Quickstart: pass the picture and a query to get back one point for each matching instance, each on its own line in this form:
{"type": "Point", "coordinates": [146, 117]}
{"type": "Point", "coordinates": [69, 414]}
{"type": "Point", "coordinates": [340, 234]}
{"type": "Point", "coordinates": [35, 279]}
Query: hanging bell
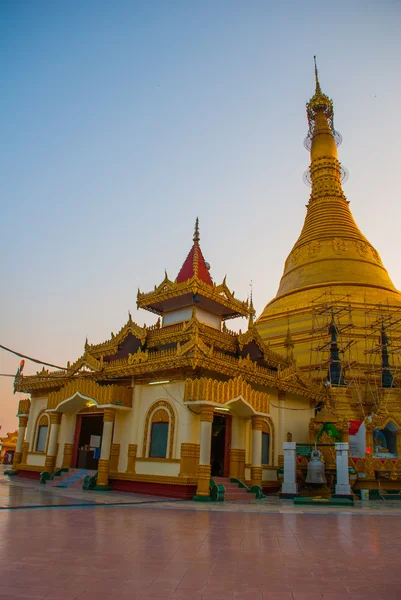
{"type": "Point", "coordinates": [316, 472]}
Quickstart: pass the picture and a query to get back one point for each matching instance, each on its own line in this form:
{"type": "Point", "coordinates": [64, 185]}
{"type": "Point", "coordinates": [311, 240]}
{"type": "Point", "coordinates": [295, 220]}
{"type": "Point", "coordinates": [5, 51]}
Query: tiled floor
{"type": "Point", "coordinates": [116, 552]}
{"type": "Point", "coordinates": [125, 553]}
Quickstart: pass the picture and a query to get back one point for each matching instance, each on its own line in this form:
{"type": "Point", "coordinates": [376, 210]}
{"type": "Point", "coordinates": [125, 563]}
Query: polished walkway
{"type": "Point", "coordinates": [170, 550]}
{"type": "Point", "coordinates": [126, 553]}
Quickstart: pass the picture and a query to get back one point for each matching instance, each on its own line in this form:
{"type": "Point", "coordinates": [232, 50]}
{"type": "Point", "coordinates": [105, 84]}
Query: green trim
{"type": "Point", "coordinates": [89, 482]}
{"type": "Point", "coordinates": [257, 490]}
{"type": "Point", "coordinates": [202, 499]}
{"type": "Point", "coordinates": [59, 471]}
{"type": "Point", "coordinates": [217, 491]}
{"type": "Point", "coordinates": [324, 501]}
{"type": "Point", "coordinates": [101, 488]}
{"type": "Point", "coordinates": [44, 476]}
{"type": "Point", "coordinates": [240, 483]}
{"type": "Point", "coordinates": [11, 473]}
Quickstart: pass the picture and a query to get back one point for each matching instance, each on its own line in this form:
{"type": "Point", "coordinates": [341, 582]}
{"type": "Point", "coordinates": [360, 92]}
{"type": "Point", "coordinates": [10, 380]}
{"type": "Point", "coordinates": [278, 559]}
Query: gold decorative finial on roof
{"type": "Point", "coordinates": [196, 232]}
{"type": "Point", "coordinates": [319, 103]}
{"type": "Point", "coordinates": [252, 311]}
{"type": "Point", "coordinates": [316, 75]}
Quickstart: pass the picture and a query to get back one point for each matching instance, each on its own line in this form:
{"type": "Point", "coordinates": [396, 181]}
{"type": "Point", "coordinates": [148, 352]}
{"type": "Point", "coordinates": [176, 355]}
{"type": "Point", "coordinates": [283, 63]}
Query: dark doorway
{"type": "Point", "coordinates": [89, 447]}
{"type": "Point", "coordinates": [219, 454]}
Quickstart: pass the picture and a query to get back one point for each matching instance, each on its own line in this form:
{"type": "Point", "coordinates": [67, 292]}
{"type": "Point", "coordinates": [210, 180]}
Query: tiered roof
{"type": "Point", "coordinates": [194, 281]}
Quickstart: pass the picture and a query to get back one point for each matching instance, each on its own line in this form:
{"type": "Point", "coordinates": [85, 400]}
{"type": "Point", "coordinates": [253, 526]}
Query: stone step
{"type": "Point", "coordinates": [234, 493]}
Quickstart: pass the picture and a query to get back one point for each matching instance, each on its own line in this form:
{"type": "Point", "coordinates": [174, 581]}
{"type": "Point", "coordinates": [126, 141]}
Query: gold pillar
{"type": "Point", "coordinates": [189, 459]}
{"type": "Point", "coordinates": [17, 458]}
{"type": "Point", "coordinates": [369, 441]}
{"type": "Point", "coordinates": [55, 420]}
{"type": "Point", "coordinates": [237, 463]}
{"type": "Point", "coordinates": [345, 433]}
{"type": "Point", "coordinates": [67, 457]}
{"type": "Point", "coordinates": [398, 443]}
{"type": "Point", "coordinates": [25, 450]}
{"type": "Point", "coordinates": [104, 461]}
{"type": "Point", "coordinates": [204, 468]}
{"type": "Point", "coordinates": [256, 467]}
{"type": "Point", "coordinates": [114, 457]}
{"type": "Point", "coordinates": [132, 452]}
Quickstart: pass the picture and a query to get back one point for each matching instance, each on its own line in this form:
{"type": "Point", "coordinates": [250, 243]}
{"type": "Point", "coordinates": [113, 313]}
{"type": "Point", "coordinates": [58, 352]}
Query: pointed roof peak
{"type": "Point", "coordinates": [196, 237]}
{"type": "Point", "coordinates": [316, 76]}
{"type": "Point", "coordinates": [195, 264]}
{"type": "Point", "coordinates": [319, 103]}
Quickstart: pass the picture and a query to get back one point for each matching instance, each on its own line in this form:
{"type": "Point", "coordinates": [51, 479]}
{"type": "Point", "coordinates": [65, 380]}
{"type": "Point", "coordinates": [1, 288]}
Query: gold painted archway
{"type": "Point", "coordinates": [226, 392]}
{"type": "Point", "coordinates": [90, 390]}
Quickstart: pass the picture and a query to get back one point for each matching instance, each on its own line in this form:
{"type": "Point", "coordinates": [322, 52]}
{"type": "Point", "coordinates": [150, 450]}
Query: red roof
{"type": "Point", "coordinates": [194, 264]}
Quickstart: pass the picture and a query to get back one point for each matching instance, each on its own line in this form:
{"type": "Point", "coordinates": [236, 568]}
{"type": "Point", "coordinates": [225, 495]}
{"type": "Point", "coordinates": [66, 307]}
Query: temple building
{"type": "Point", "coordinates": [161, 409]}
{"type": "Point", "coordinates": [185, 405]}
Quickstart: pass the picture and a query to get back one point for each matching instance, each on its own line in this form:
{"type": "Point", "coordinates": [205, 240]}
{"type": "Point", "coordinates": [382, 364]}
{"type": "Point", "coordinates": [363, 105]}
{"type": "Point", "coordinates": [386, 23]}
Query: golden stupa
{"type": "Point", "coordinates": [333, 273]}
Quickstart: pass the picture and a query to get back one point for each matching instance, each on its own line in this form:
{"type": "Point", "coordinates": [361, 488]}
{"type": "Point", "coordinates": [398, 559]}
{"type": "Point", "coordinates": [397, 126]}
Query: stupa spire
{"type": "Point", "coordinates": [330, 235]}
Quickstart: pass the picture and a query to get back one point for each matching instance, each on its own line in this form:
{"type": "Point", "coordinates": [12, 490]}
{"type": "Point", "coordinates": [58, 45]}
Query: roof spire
{"type": "Point", "coordinates": [316, 76]}
{"type": "Point", "coordinates": [252, 311]}
{"type": "Point", "coordinates": [196, 232]}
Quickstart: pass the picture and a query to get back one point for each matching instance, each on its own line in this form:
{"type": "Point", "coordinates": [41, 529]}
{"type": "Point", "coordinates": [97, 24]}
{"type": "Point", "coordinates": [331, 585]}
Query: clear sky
{"type": "Point", "coordinates": [121, 121]}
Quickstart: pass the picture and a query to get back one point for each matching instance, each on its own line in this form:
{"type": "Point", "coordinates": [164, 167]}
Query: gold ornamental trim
{"type": "Point", "coordinates": [23, 421]}
{"type": "Point", "coordinates": [101, 394]}
{"type": "Point", "coordinates": [170, 289]}
{"type": "Point", "coordinates": [212, 390]}
{"type": "Point", "coordinates": [257, 423]}
{"type": "Point", "coordinates": [207, 414]}
{"type": "Point", "coordinates": [24, 407]}
{"type": "Point", "coordinates": [55, 418]}
{"type": "Point", "coordinates": [109, 415]}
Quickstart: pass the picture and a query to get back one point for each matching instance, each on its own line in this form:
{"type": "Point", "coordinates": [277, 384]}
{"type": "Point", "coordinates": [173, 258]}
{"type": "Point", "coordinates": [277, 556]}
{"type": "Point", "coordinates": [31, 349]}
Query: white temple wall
{"type": "Point", "coordinates": [145, 467]}
{"type": "Point", "coordinates": [35, 459]}
{"type": "Point", "coordinates": [173, 394]}
{"type": "Point", "coordinates": [66, 434]}
{"type": "Point", "coordinates": [37, 405]}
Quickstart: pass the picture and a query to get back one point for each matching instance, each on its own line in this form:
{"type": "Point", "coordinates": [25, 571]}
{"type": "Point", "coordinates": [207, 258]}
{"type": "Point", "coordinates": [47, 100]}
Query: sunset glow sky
{"type": "Point", "coordinates": [123, 121]}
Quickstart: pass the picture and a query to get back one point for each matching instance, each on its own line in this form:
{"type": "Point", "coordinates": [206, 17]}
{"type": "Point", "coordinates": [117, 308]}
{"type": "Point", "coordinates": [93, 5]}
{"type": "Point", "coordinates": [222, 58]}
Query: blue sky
{"type": "Point", "coordinates": [123, 121]}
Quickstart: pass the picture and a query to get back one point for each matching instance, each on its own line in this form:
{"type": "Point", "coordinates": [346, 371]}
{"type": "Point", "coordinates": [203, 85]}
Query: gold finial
{"type": "Point", "coordinates": [196, 232]}
{"type": "Point", "coordinates": [316, 75]}
{"type": "Point", "coordinates": [252, 311]}
{"type": "Point", "coordinates": [319, 103]}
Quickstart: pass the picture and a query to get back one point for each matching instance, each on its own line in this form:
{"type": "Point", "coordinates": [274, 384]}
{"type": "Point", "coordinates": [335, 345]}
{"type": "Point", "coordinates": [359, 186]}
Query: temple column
{"type": "Point", "coordinates": [345, 433]}
{"type": "Point", "coordinates": [104, 461]}
{"type": "Point", "coordinates": [68, 449]}
{"type": "Point", "coordinates": [132, 452]}
{"type": "Point", "coordinates": [237, 454]}
{"type": "Point", "coordinates": [22, 423]}
{"type": "Point", "coordinates": [369, 442]}
{"type": "Point", "coordinates": [290, 487]}
{"type": "Point", "coordinates": [204, 468]}
{"type": "Point", "coordinates": [398, 443]}
{"type": "Point", "coordinates": [343, 487]}
{"type": "Point", "coordinates": [256, 468]}
{"type": "Point", "coordinates": [50, 462]}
